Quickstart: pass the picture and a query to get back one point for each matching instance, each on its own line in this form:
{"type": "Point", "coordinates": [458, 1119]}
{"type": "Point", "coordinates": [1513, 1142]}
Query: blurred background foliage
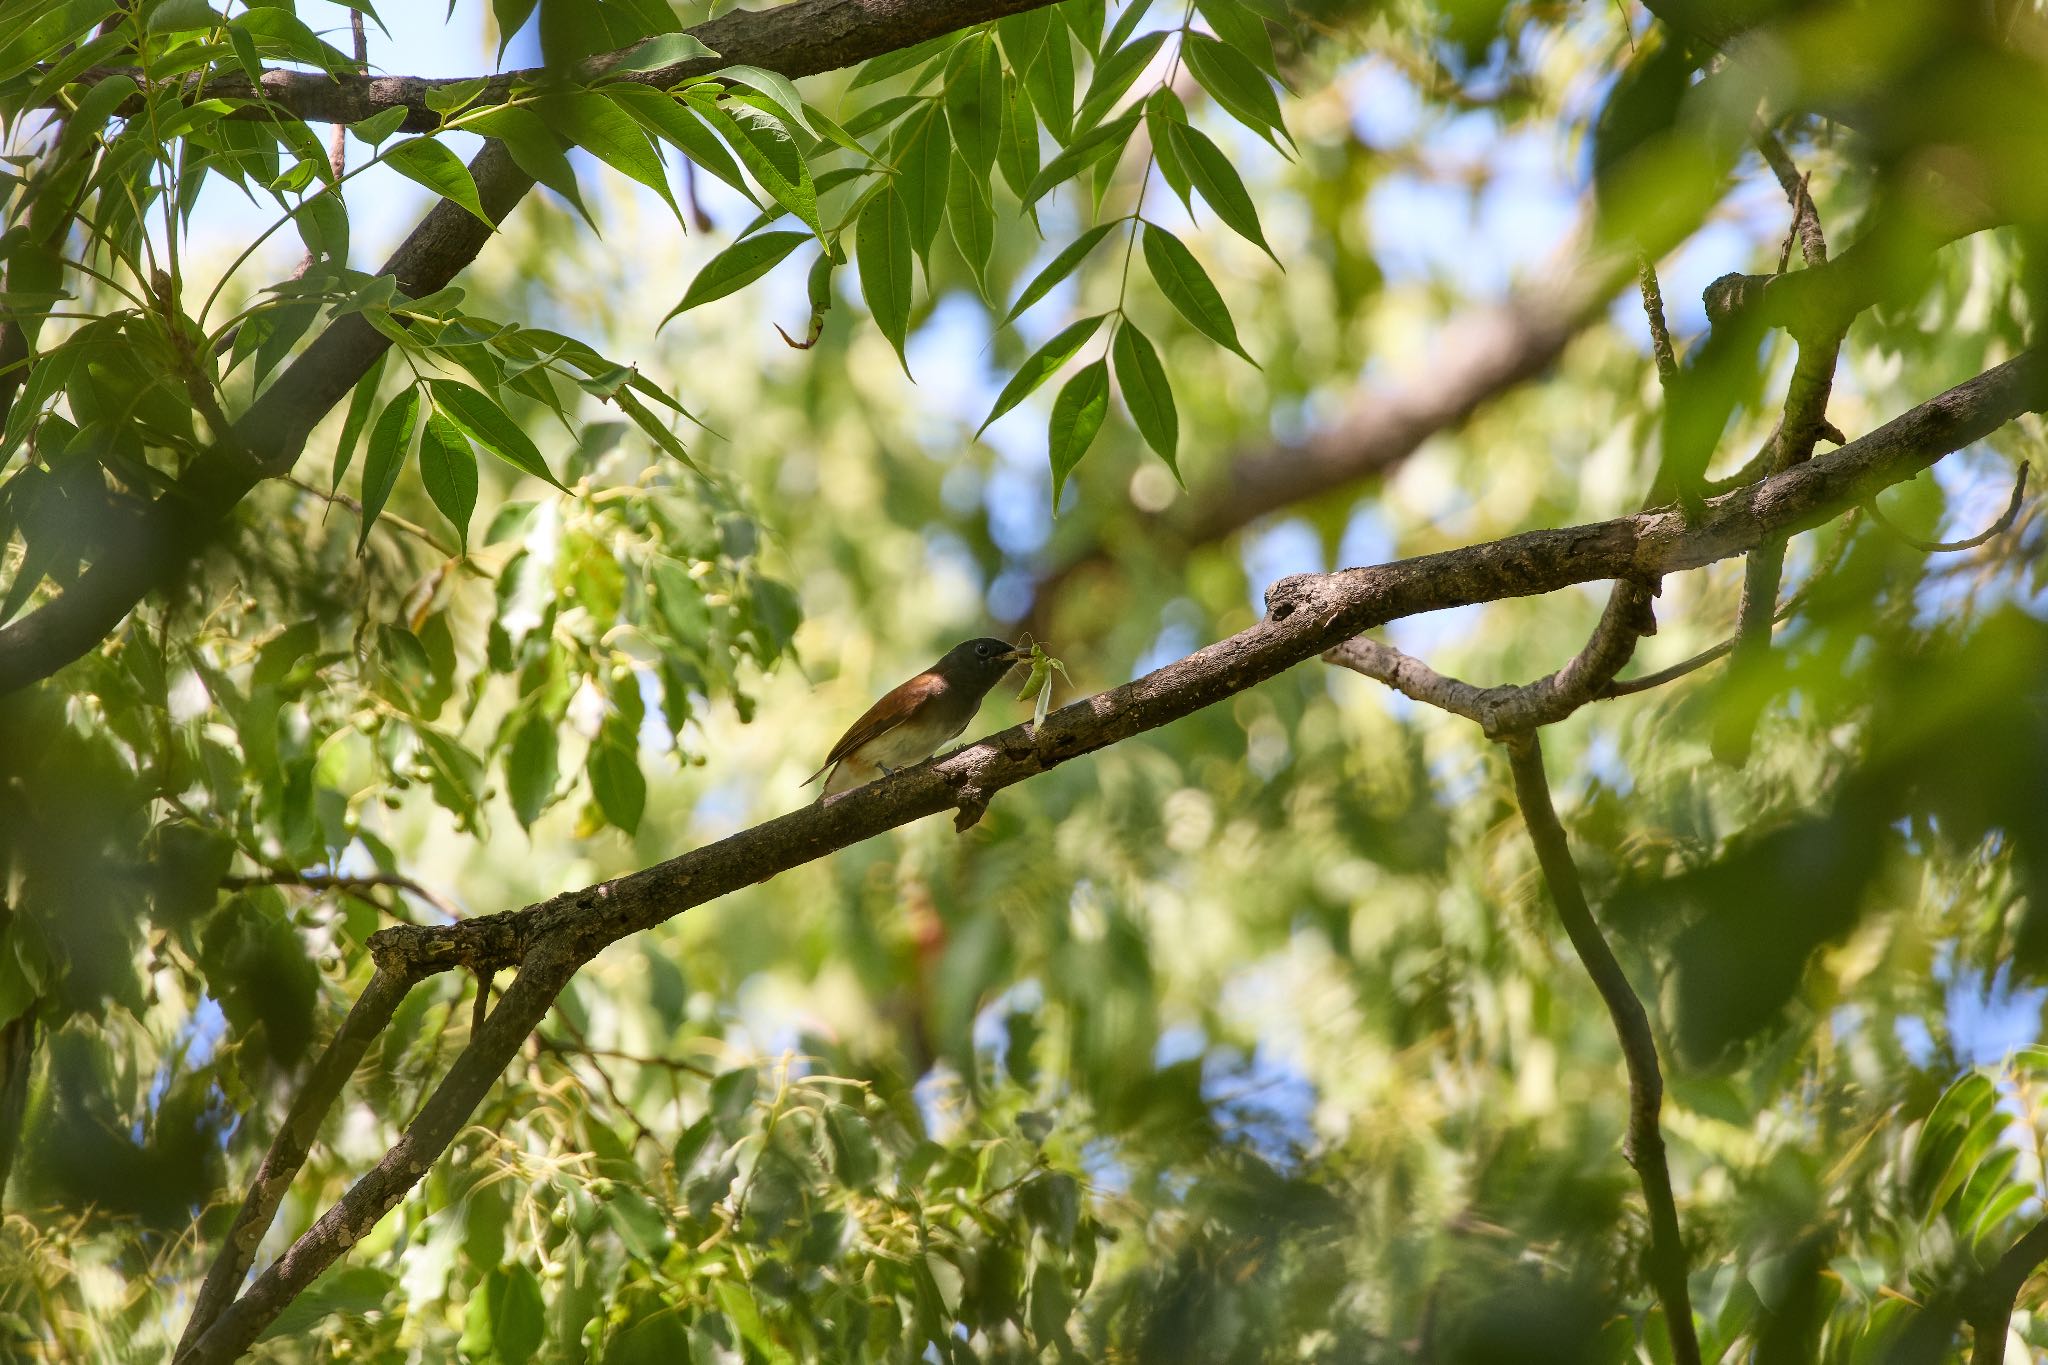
{"type": "Point", "coordinates": [1249, 1039]}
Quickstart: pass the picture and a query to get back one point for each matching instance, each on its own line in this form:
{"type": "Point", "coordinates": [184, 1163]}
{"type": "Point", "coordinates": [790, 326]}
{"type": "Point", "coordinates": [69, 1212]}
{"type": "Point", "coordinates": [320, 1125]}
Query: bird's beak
{"type": "Point", "coordinates": [1015, 656]}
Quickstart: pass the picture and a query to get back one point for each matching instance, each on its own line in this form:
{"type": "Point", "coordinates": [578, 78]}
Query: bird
{"type": "Point", "coordinates": [914, 718]}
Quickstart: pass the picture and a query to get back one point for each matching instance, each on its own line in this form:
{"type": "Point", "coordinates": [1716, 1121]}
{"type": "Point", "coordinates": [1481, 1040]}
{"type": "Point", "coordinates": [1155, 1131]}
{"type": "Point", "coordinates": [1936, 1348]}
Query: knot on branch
{"type": "Point", "coordinates": [1288, 595]}
{"type": "Point", "coordinates": [1732, 293]}
{"type": "Point", "coordinates": [973, 804]}
{"type": "Point", "coordinates": [484, 945]}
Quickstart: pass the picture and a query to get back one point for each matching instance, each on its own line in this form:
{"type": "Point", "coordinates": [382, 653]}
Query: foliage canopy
{"type": "Point", "coordinates": [336, 598]}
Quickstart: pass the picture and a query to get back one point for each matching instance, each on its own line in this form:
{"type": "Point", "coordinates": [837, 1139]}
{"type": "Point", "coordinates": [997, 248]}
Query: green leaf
{"type": "Point", "coordinates": [673, 121]}
{"type": "Point", "coordinates": [1017, 141]}
{"type": "Point", "coordinates": [424, 160]}
{"type": "Point", "coordinates": [1058, 268]}
{"type": "Point", "coordinates": [490, 428]}
{"type": "Point", "coordinates": [777, 87]}
{"type": "Point", "coordinates": [1041, 366]}
{"type": "Point", "coordinates": [506, 1319]}
{"type": "Point", "coordinates": [180, 16]}
{"type": "Point", "coordinates": [448, 468]}
{"type": "Point", "coordinates": [1235, 84]}
{"type": "Point", "coordinates": [390, 443]}
{"type": "Point", "coordinates": [1211, 172]}
{"type": "Point", "coordinates": [380, 125]}
{"type": "Point", "coordinates": [974, 99]}
{"type": "Point", "coordinates": [770, 154]}
{"type": "Point", "coordinates": [597, 125]}
{"type": "Point", "coordinates": [1023, 36]}
{"type": "Point", "coordinates": [1114, 75]}
{"type": "Point", "coordinates": [738, 266]}
{"type": "Point", "coordinates": [1050, 81]}
{"type": "Point", "coordinates": [662, 50]}
{"type": "Point", "coordinates": [95, 107]}
{"type": "Point", "coordinates": [531, 765]}
{"type": "Point", "coordinates": [882, 252]}
{"type": "Point", "coordinates": [1076, 416]}
{"type": "Point", "coordinates": [1241, 31]}
{"type": "Point", "coordinates": [1083, 152]}
{"type": "Point", "coordinates": [1162, 111]}
{"type": "Point", "coordinates": [923, 156]}
{"type": "Point", "coordinates": [357, 416]}
{"type": "Point", "coordinates": [1142, 381]}
{"type": "Point", "coordinates": [615, 778]}
{"type": "Point", "coordinates": [1127, 21]}
{"type": "Point", "coordinates": [1187, 287]}
{"type": "Point", "coordinates": [534, 148]}
{"type": "Point", "coordinates": [974, 224]}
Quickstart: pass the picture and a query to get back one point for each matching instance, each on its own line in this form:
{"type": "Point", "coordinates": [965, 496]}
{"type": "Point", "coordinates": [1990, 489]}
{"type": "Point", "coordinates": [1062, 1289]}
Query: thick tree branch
{"type": "Point", "coordinates": [1479, 358]}
{"type": "Point", "coordinates": [797, 39]}
{"type": "Point", "coordinates": [1306, 614]}
{"type": "Point", "coordinates": [1644, 1143]}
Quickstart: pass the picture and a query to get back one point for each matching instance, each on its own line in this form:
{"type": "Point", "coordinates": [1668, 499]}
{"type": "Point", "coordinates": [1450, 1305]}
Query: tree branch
{"type": "Point", "coordinates": [290, 1147]}
{"type": "Point", "coordinates": [1480, 357]}
{"type": "Point", "coordinates": [1644, 1143]}
{"type": "Point", "coordinates": [1949, 547]}
{"type": "Point", "coordinates": [797, 39]}
{"type": "Point", "coordinates": [1306, 614]}
{"type": "Point", "coordinates": [1805, 415]}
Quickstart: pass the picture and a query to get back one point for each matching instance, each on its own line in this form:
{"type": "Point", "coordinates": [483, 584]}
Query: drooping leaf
{"type": "Point", "coordinates": [490, 427]}
{"type": "Point", "coordinates": [390, 443]}
{"type": "Point", "coordinates": [426, 161]}
{"type": "Point", "coordinates": [1057, 269]}
{"type": "Point", "coordinates": [1041, 366]}
{"type": "Point", "coordinates": [1142, 381]}
{"type": "Point", "coordinates": [922, 153]}
{"type": "Point", "coordinates": [974, 98]}
{"type": "Point", "coordinates": [534, 148]}
{"type": "Point", "coordinates": [1077, 415]}
{"type": "Point", "coordinates": [737, 266]}
{"type": "Point", "coordinates": [1235, 84]}
{"type": "Point", "coordinates": [597, 125]}
{"type": "Point", "coordinates": [448, 468]}
{"type": "Point", "coordinates": [1188, 288]}
{"type": "Point", "coordinates": [882, 253]}
{"type": "Point", "coordinates": [973, 221]}
{"type": "Point", "coordinates": [682, 127]}
{"type": "Point", "coordinates": [1210, 171]}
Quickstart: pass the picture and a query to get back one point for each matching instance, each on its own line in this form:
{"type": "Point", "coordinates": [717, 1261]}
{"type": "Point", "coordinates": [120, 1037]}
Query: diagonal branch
{"type": "Point", "coordinates": [1480, 357]}
{"type": "Point", "coordinates": [797, 39]}
{"type": "Point", "coordinates": [1306, 614]}
{"type": "Point", "coordinates": [290, 1147]}
{"type": "Point", "coordinates": [1644, 1143]}
{"type": "Point", "coordinates": [1805, 415]}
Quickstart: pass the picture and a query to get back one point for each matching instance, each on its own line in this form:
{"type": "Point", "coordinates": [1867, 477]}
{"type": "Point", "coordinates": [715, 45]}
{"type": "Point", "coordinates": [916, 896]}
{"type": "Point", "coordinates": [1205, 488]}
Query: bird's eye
{"type": "Point", "coordinates": [983, 650]}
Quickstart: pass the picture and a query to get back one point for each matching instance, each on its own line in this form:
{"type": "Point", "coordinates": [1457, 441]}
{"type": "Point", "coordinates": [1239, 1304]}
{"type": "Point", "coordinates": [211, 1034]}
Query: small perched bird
{"type": "Point", "coordinates": [909, 724]}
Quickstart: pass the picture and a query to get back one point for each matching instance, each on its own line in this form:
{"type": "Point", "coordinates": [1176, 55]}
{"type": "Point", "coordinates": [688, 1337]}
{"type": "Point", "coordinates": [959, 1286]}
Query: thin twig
{"type": "Point", "coordinates": [1643, 1144]}
{"type": "Point", "coordinates": [1945, 547]}
{"type": "Point", "coordinates": [1648, 681]}
{"type": "Point", "coordinates": [343, 882]}
{"type": "Point", "coordinates": [1661, 349]}
{"type": "Point", "coordinates": [1801, 426]}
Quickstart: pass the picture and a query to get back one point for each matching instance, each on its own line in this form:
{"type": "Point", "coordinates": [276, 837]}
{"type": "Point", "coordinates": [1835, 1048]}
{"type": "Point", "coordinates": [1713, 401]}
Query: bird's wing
{"type": "Point", "coordinates": [876, 722]}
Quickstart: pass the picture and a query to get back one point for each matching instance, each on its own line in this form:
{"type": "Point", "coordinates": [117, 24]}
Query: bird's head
{"type": "Point", "coordinates": [979, 663]}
